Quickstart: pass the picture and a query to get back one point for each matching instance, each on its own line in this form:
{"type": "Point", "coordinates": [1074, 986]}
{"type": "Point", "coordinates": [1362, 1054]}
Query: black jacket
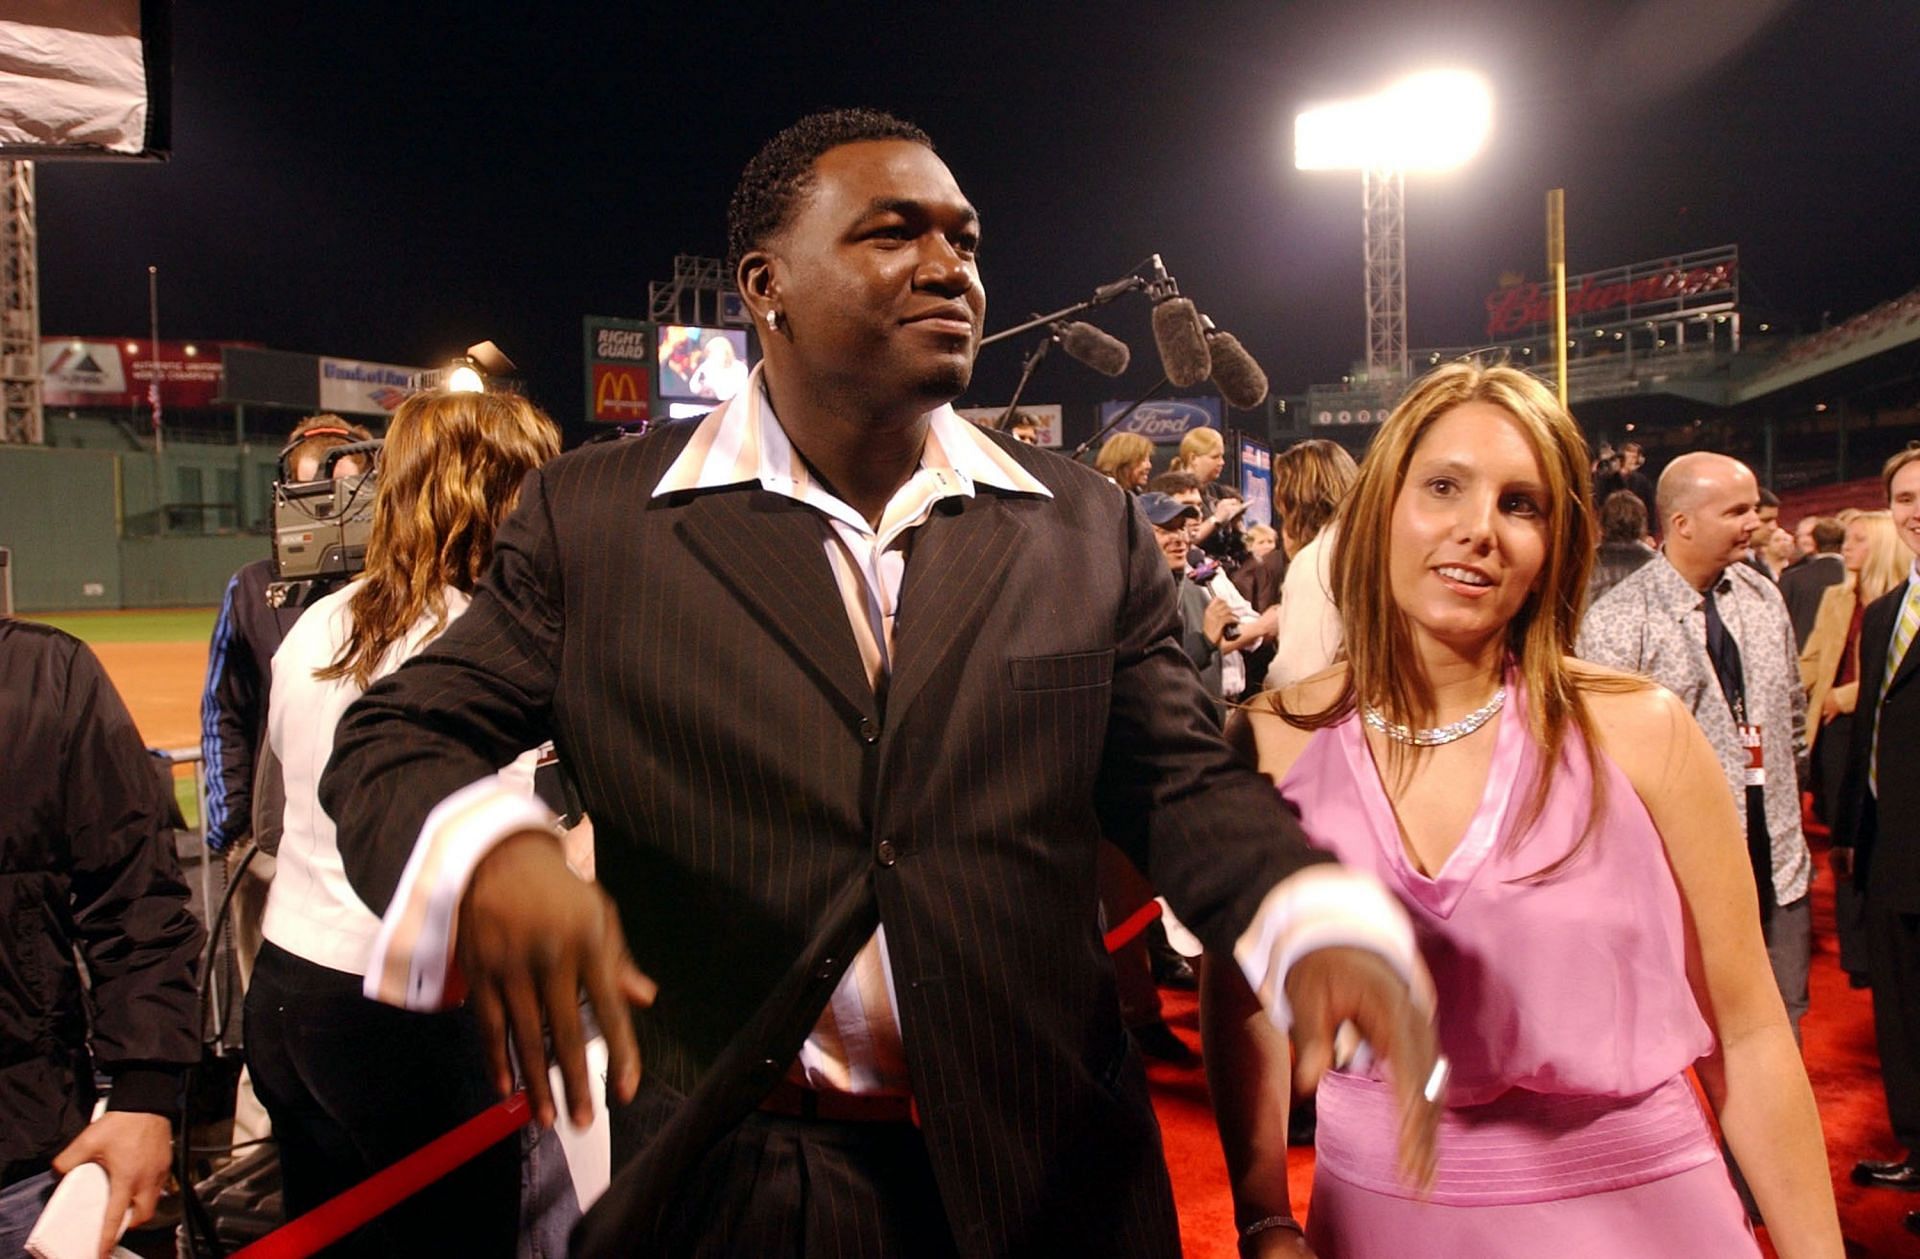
{"type": "Point", "coordinates": [1614, 564]}
{"type": "Point", "coordinates": [86, 862]}
{"type": "Point", "coordinates": [1883, 829]}
{"type": "Point", "coordinates": [1804, 584]}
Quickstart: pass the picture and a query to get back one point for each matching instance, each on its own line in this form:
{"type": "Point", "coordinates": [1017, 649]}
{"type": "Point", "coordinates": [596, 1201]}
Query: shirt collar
{"type": "Point", "coordinates": [1678, 593]}
{"type": "Point", "coordinates": [743, 443]}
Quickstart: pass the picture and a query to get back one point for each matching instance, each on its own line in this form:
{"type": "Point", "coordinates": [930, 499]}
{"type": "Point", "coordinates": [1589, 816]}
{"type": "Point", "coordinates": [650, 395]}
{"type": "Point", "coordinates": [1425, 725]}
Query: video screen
{"type": "Point", "coordinates": [702, 363]}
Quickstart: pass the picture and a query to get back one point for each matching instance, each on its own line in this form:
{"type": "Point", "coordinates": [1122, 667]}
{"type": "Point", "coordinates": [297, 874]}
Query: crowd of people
{"type": "Point", "coordinates": [1475, 783]}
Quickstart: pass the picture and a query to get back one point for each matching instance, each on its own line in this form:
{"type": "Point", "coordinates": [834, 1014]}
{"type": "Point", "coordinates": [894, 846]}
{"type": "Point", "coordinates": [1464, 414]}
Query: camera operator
{"type": "Point", "coordinates": [353, 1085]}
{"type": "Point", "coordinates": [243, 794]}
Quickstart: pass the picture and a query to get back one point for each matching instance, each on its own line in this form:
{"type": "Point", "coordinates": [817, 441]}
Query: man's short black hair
{"type": "Point", "coordinates": [781, 172]}
{"type": "Point", "coordinates": [1174, 483]}
{"type": "Point", "coordinates": [1768, 498]}
{"type": "Point", "coordinates": [1828, 535]}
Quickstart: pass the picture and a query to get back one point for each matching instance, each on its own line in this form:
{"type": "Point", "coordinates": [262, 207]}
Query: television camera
{"type": "Point", "coordinates": [320, 527]}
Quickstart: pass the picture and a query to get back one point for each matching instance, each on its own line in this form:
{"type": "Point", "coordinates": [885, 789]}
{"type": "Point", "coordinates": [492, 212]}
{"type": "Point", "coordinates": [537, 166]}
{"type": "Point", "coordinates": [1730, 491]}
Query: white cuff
{"type": "Point", "coordinates": [1320, 907]}
{"type": "Point", "coordinates": [412, 962]}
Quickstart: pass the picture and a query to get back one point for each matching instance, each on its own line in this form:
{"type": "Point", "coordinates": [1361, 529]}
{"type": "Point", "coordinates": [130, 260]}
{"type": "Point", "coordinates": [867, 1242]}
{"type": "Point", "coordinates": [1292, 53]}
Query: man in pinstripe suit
{"type": "Point", "coordinates": [851, 689]}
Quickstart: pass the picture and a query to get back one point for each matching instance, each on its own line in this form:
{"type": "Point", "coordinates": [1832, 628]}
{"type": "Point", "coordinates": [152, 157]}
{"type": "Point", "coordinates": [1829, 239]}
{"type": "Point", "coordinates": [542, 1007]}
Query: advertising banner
{"type": "Point", "coordinates": [351, 387]}
{"type": "Point", "coordinates": [1708, 279]}
{"type": "Point", "coordinates": [1166, 420]}
{"type": "Point", "coordinates": [619, 361]}
{"type": "Point", "coordinates": [80, 373]}
{"type": "Point", "coordinates": [1256, 482]}
{"type": "Point", "coordinates": [1045, 416]}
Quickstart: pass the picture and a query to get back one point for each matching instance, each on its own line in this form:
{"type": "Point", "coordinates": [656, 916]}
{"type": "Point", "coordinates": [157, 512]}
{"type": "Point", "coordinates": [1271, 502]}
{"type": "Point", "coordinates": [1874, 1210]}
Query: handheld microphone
{"type": "Point", "coordinates": [1201, 570]}
{"type": "Point", "coordinates": [1177, 333]}
{"type": "Point", "coordinates": [1235, 372]}
{"type": "Point", "coordinates": [1099, 350]}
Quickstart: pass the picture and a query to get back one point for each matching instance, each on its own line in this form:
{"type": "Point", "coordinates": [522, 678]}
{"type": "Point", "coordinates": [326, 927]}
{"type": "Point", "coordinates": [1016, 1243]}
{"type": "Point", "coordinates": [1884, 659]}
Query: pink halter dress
{"type": "Point", "coordinates": [1571, 1128]}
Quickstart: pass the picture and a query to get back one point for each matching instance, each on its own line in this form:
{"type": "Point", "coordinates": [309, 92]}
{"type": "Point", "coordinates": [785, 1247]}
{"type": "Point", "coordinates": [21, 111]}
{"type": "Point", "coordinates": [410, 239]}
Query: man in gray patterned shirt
{"type": "Point", "coordinates": [1708, 627]}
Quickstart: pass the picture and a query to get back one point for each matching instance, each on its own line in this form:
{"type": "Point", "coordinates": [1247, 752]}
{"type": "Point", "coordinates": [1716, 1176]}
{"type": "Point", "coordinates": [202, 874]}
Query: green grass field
{"type": "Point", "coordinates": [160, 625]}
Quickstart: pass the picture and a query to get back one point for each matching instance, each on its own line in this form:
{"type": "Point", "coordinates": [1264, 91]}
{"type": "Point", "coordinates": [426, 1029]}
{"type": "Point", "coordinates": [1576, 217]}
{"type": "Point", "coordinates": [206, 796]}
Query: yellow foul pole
{"type": "Point", "coordinates": [1557, 264]}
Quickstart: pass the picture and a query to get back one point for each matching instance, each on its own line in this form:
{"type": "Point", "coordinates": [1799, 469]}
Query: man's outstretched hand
{"type": "Point", "coordinates": [1331, 986]}
{"type": "Point", "coordinates": [533, 935]}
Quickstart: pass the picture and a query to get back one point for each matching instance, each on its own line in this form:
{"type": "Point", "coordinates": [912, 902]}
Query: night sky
{"type": "Point", "coordinates": [390, 182]}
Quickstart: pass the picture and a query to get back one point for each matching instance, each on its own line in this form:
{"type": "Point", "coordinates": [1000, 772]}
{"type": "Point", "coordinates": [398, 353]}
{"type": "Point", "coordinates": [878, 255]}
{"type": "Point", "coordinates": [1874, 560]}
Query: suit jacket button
{"type": "Point", "coordinates": [887, 853]}
{"type": "Point", "coordinates": [869, 731]}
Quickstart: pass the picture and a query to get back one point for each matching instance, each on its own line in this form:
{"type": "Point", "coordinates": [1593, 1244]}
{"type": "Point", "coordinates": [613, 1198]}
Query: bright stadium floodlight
{"type": "Point", "coordinates": [1433, 121]}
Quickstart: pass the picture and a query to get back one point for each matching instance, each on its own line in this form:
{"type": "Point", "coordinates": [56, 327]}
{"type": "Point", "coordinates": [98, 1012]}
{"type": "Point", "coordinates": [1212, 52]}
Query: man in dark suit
{"type": "Point", "coordinates": [1878, 838]}
{"type": "Point", "coordinates": [851, 689]}
{"type": "Point", "coordinates": [1805, 582]}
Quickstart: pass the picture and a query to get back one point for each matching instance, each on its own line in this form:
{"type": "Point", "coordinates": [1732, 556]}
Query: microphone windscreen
{"type": "Point", "coordinates": [1181, 341]}
{"type": "Point", "coordinates": [1104, 353]}
{"type": "Point", "coordinates": [1235, 373]}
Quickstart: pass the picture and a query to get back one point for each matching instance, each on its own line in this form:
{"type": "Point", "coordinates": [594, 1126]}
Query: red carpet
{"type": "Point", "coordinates": [1840, 1060]}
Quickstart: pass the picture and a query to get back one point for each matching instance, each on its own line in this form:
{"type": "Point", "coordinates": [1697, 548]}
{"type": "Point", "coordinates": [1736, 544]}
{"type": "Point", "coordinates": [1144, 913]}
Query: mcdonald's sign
{"type": "Point", "coordinates": [618, 356]}
{"type": "Point", "coordinates": [619, 392]}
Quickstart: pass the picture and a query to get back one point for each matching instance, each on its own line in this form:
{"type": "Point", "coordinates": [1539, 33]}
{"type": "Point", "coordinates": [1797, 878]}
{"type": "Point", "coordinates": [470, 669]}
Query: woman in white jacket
{"type": "Point", "coordinates": [1310, 479]}
{"type": "Point", "coordinates": [351, 1085]}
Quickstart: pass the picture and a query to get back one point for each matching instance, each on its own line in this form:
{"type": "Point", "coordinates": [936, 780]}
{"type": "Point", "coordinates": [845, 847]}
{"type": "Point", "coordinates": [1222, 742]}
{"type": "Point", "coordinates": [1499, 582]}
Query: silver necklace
{"type": "Point", "coordinates": [1436, 735]}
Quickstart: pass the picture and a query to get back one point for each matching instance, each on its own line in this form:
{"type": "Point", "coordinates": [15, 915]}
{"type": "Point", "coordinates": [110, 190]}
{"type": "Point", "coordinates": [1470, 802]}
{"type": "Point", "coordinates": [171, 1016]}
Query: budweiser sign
{"type": "Point", "coordinates": [1644, 290]}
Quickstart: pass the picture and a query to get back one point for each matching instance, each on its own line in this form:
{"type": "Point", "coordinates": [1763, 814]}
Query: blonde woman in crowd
{"type": "Point", "coordinates": [1830, 670]}
{"type": "Point", "coordinates": [1577, 875]}
{"type": "Point", "coordinates": [1126, 459]}
{"type": "Point", "coordinates": [1203, 456]}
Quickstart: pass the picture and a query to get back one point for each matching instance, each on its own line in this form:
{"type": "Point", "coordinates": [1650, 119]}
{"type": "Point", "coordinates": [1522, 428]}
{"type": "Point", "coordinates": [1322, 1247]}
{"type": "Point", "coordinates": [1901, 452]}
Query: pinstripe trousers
{"type": "Point", "coordinates": [781, 1188]}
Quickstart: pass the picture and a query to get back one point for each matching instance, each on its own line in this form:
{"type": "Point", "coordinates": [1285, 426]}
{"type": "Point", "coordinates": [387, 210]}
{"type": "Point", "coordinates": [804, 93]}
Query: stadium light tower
{"type": "Point", "coordinates": [1433, 121]}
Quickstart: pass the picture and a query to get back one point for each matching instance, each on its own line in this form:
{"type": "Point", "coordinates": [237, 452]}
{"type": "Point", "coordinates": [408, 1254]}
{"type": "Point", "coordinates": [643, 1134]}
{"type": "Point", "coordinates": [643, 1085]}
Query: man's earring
{"type": "Point", "coordinates": [773, 321]}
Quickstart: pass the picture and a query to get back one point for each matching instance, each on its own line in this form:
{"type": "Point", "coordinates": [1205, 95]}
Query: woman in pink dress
{"type": "Point", "coordinates": [1562, 837]}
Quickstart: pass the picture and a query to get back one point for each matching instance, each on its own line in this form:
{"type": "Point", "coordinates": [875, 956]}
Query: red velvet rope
{"type": "Point", "coordinates": [1119, 937]}
{"type": "Point", "coordinates": [338, 1216]}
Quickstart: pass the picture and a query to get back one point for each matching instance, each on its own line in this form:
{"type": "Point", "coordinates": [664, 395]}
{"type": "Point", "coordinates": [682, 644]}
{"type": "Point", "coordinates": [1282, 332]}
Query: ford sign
{"type": "Point", "coordinates": [1165, 421]}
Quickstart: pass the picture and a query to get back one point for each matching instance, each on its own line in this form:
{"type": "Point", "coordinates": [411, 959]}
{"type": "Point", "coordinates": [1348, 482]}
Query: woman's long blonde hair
{"type": "Point", "coordinates": [1887, 561]}
{"type": "Point", "coordinates": [1540, 638]}
{"type": "Point", "coordinates": [1121, 451]}
{"type": "Point", "coordinates": [449, 473]}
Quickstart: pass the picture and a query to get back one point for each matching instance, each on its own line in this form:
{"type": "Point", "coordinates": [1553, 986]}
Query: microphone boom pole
{"type": "Point", "coordinates": [1137, 403]}
{"type": "Point", "coordinates": [1106, 294]}
{"type": "Point", "coordinates": [1026, 374]}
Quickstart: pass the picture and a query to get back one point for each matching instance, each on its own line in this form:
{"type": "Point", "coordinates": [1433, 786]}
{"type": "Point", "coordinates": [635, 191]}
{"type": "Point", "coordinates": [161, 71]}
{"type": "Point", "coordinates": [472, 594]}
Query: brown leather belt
{"type": "Point", "coordinates": [797, 1102]}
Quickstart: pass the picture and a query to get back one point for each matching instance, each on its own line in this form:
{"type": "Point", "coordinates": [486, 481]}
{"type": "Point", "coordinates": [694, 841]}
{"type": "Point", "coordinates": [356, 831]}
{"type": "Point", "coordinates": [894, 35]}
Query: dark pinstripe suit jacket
{"type": "Point", "coordinates": [1884, 830]}
{"type": "Point", "coordinates": [757, 810]}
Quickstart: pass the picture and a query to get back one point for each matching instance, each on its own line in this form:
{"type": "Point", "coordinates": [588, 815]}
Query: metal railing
{"type": "Point", "coordinates": [212, 881]}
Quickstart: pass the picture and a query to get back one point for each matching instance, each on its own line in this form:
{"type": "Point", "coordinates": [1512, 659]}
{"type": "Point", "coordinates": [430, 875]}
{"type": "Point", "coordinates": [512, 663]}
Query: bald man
{"type": "Point", "coordinates": [1702, 623]}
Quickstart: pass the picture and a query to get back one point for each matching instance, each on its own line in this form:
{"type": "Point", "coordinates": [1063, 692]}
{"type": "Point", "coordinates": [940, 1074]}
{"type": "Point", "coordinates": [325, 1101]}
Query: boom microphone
{"type": "Point", "coordinates": [1235, 373]}
{"type": "Point", "coordinates": [1177, 333]}
{"type": "Point", "coordinates": [1099, 350]}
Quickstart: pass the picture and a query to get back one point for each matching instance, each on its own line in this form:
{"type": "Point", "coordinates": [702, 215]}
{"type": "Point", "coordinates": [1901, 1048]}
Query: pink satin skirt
{"type": "Point", "coordinates": [1527, 1174]}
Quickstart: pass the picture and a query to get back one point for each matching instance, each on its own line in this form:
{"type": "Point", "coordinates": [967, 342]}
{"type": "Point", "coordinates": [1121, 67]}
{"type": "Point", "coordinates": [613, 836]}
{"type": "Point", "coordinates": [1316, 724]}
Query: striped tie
{"type": "Point", "coordinates": [1903, 635]}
